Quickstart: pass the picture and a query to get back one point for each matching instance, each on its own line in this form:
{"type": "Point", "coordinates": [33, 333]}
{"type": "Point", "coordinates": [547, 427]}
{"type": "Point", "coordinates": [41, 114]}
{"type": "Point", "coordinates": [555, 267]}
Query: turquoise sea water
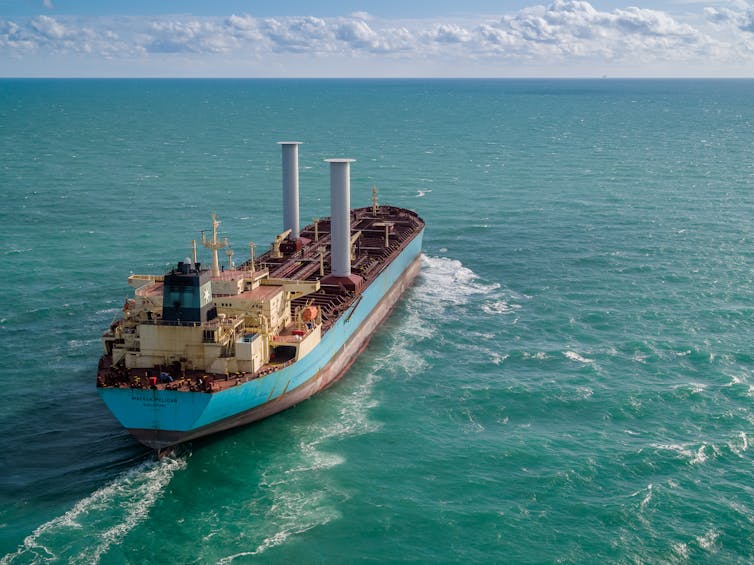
{"type": "Point", "coordinates": [570, 380]}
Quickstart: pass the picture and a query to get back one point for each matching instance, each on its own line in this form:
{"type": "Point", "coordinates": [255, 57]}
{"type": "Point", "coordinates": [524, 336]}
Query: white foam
{"type": "Point", "coordinates": [692, 388]}
{"type": "Point", "coordinates": [473, 425]}
{"type": "Point", "coordinates": [736, 380]}
{"type": "Point", "coordinates": [539, 356]}
{"type": "Point", "coordinates": [446, 283]}
{"type": "Point", "coordinates": [109, 311]}
{"type": "Point", "coordinates": [298, 488]}
{"type": "Point", "coordinates": [681, 549]}
{"type": "Point", "coordinates": [647, 498]}
{"type": "Point", "coordinates": [298, 485]}
{"type": "Point", "coordinates": [738, 447]}
{"type": "Point", "coordinates": [79, 343]}
{"type": "Point", "coordinates": [694, 457]}
{"type": "Point", "coordinates": [573, 356]}
{"type": "Point", "coordinates": [126, 501]}
{"type": "Point", "coordinates": [639, 357]}
{"type": "Point", "coordinates": [500, 307]}
{"type": "Point", "coordinates": [707, 541]}
{"type": "Point", "coordinates": [295, 508]}
{"type": "Point", "coordinates": [498, 359]}
{"type": "Point", "coordinates": [301, 489]}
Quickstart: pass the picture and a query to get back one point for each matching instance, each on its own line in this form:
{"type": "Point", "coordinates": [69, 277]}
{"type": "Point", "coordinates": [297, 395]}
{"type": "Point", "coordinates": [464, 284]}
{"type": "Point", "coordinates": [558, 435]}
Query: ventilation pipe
{"type": "Point", "coordinates": [290, 187]}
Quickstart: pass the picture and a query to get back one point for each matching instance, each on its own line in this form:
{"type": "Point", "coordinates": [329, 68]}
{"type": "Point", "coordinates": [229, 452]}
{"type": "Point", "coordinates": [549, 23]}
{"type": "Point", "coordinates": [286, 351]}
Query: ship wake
{"type": "Point", "coordinates": [88, 530]}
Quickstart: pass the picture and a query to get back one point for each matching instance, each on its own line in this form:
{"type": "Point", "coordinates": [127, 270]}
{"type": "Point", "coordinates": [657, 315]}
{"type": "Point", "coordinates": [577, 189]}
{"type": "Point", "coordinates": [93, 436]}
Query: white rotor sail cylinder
{"type": "Point", "coordinates": [290, 187]}
{"type": "Point", "coordinates": [340, 220]}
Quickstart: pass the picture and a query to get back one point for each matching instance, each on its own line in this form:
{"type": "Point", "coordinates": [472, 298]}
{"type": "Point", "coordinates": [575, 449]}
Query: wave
{"type": "Point", "coordinates": [500, 307]}
{"type": "Point", "coordinates": [708, 540]}
{"type": "Point", "coordinates": [686, 451]}
{"type": "Point", "coordinates": [299, 491]}
{"type": "Point", "coordinates": [445, 283]}
{"type": "Point", "coordinates": [296, 489]}
{"type": "Point", "coordinates": [81, 343]}
{"type": "Point", "coordinates": [100, 520]}
{"type": "Point", "coordinates": [573, 356]}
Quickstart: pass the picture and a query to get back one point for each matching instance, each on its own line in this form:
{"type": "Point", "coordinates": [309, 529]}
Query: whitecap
{"type": "Point", "coordinates": [707, 541]}
{"type": "Point", "coordinates": [685, 451]}
{"type": "Point", "coordinates": [446, 282]}
{"type": "Point", "coordinates": [500, 307]}
{"type": "Point", "coordinates": [736, 380]}
{"type": "Point", "coordinates": [693, 388]}
{"type": "Point", "coordinates": [681, 549]}
{"type": "Point", "coordinates": [108, 311]}
{"type": "Point", "coordinates": [639, 357]}
{"type": "Point", "coordinates": [738, 447]}
{"type": "Point", "coordinates": [648, 497]}
{"type": "Point", "coordinates": [539, 356]}
{"type": "Point", "coordinates": [573, 356]}
{"type": "Point", "coordinates": [80, 343]}
{"type": "Point", "coordinates": [497, 359]}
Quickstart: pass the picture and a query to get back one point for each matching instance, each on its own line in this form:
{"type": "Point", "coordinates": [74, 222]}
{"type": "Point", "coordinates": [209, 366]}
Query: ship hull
{"type": "Point", "coordinates": [164, 418]}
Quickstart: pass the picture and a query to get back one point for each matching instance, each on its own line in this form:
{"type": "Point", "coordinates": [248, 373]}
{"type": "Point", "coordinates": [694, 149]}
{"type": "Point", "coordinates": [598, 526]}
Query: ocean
{"type": "Point", "coordinates": [568, 381]}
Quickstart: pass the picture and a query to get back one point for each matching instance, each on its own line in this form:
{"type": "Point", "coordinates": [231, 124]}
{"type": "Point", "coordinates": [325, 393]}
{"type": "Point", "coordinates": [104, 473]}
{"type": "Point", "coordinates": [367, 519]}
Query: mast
{"type": "Point", "coordinates": [214, 245]}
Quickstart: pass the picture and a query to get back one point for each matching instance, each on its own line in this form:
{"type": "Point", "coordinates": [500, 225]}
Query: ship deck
{"type": "Point", "coordinates": [382, 234]}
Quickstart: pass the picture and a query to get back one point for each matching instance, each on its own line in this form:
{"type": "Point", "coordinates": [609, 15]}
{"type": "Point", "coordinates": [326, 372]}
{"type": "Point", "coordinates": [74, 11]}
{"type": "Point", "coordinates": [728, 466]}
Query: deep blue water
{"type": "Point", "coordinates": [570, 379]}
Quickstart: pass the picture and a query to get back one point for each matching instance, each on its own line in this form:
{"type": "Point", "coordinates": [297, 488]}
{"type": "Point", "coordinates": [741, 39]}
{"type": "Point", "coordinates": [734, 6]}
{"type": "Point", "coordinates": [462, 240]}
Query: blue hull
{"type": "Point", "coordinates": [163, 418]}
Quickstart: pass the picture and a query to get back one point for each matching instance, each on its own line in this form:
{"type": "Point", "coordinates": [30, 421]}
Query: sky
{"type": "Point", "coordinates": [377, 38]}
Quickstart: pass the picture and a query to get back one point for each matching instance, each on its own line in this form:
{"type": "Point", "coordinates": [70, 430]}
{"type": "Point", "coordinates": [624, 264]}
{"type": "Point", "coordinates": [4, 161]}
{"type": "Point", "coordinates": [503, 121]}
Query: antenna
{"type": "Point", "coordinates": [251, 255]}
{"type": "Point", "coordinates": [214, 245]}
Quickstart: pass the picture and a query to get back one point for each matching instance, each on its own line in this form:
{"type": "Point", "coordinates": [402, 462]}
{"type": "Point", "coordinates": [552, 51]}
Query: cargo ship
{"type": "Point", "coordinates": [199, 349]}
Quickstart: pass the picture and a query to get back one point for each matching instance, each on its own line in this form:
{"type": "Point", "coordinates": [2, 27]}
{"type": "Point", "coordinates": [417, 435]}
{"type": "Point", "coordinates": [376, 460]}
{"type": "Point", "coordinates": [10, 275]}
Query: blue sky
{"type": "Point", "coordinates": [389, 38]}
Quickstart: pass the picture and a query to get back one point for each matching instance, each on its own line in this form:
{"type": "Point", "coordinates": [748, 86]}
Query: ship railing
{"type": "Point", "coordinates": [170, 323]}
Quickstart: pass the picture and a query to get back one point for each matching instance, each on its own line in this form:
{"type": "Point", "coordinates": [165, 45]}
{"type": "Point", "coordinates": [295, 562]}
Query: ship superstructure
{"type": "Point", "coordinates": [200, 349]}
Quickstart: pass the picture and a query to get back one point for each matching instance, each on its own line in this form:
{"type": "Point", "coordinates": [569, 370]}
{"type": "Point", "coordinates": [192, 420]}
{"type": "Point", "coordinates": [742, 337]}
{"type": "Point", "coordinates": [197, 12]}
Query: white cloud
{"type": "Point", "coordinates": [565, 34]}
{"type": "Point", "coordinates": [366, 16]}
{"type": "Point", "coordinates": [742, 19]}
{"type": "Point", "coordinates": [49, 28]}
{"type": "Point", "coordinates": [298, 34]}
{"type": "Point", "coordinates": [450, 33]}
